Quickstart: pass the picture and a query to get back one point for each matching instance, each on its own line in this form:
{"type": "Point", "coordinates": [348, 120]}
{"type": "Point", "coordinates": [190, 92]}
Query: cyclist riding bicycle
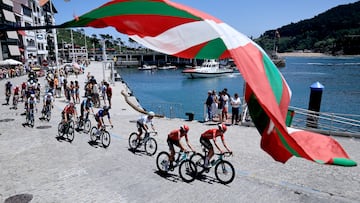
{"type": "Point", "coordinates": [31, 103]}
{"type": "Point", "coordinates": [99, 116]}
{"type": "Point", "coordinates": [48, 101]}
{"type": "Point", "coordinates": [174, 139]}
{"type": "Point", "coordinates": [16, 96]}
{"type": "Point", "coordinates": [69, 109]}
{"type": "Point", "coordinates": [143, 124]}
{"type": "Point", "coordinates": [211, 134]}
{"type": "Point", "coordinates": [86, 105]}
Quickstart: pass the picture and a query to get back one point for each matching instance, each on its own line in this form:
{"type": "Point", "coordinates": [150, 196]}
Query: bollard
{"type": "Point", "coordinates": [316, 90]}
{"type": "Point", "coordinates": [190, 115]}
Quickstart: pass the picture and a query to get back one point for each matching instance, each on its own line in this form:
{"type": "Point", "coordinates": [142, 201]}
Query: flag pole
{"type": "Point", "coordinates": [55, 37]}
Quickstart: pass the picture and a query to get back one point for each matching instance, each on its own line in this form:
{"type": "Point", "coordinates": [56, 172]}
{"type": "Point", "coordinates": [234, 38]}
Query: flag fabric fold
{"type": "Point", "coordinates": [175, 29]}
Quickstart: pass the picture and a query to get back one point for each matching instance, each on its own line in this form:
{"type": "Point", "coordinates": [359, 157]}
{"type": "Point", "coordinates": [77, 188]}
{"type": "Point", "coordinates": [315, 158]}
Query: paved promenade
{"type": "Point", "coordinates": [35, 166]}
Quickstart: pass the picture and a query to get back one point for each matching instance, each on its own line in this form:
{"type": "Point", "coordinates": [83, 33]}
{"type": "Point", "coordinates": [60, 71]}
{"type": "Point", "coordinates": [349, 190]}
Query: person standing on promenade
{"type": "Point", "coordinates": [8, 86]}
{"type": "Point", "coordinates": [225, 109]}
{"type": "Point", "coordinates": [174, 139]}
{"type": "Point", "coordinates": [211, 134]}
{"type": "Point", "coordinates": [144, 123]}
{"type": "Point", "coordinates": [235, 106]}
{"type": "Point", "coordinates": [108, 93]}
{"type": "Point", "coordinates": [77, 92]}
{"type": "Point", "coordinates": [220, 105]}
{"type": "Point", "coordinates": [214, 106]}
{"type": "Point", "coordinates": [209, 101]}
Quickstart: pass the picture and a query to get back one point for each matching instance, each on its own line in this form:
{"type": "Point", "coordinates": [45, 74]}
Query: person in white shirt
{"type": "Point", "coordinates": [235, 106]}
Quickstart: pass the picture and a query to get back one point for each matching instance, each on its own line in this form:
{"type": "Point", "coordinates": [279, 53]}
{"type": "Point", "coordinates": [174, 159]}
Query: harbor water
{"type": "Point", "coordinates": [173, 94]}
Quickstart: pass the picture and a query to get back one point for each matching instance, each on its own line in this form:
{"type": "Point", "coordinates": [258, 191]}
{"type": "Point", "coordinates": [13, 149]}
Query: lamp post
{"type": "Point", "coordinates": [86, 51]}
{"type": "Point", "coordinates": [72, 45]}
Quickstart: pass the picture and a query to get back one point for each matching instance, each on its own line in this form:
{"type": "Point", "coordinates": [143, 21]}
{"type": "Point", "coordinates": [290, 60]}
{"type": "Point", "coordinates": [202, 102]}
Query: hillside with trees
{"type": "Point", "coordinates": [336, 31]}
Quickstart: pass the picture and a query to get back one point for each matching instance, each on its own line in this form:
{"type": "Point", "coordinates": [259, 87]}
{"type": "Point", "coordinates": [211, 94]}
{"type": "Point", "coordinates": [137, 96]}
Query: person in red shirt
{"type": "Point", "coordinates": [211, 134]}
{"type": "Point", "coordinates": [69, 109]}
{"type": "Point", "coordinates": [108, 93]}
{"type": "Point", "coordinates": [174, 139]}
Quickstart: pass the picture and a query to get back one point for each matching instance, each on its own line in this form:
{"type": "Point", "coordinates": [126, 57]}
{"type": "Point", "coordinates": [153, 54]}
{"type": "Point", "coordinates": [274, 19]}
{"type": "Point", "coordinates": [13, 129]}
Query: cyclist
{"type": "Point", "coordinates": [100, 115]}
{"type": "Point", "coordinates": [48, 102]}
{"type": "Point", "coordinates": [31, 104]}
{"type": "Point", "coordinates": [174, 139]}
{"type": "Point", "coordinates": [86, 105]}
{"type": "Point", "coordinates": [69, 109]}
{"type": "Point", "coordinates": [16, 96]}
{"type": "Point", "coordinates": [211, 134]}
{"type": "Point", "coordinates": [143, 122]}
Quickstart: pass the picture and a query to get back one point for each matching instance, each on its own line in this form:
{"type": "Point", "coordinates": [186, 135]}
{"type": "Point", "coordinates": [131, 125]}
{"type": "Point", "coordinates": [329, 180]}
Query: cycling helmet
{"type": "Point", "coordinates": [106, 108]}
{"type": "Point", "coordinates": [222, 127]}
{"type": "Point", "coordinates": [151, 113]}
{"type": "Point", "coordinates": [49, 94]}
{"type": "Point", "coordinates": [32, 95]}
{"type": "Point", "coordinates": [184, 128]}
{"type": "Point", "coordinates": [71, 103]}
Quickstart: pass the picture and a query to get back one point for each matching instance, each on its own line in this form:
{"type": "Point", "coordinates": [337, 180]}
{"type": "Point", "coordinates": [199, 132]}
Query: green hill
{"type": "Point", "coordinates": [336, 31]}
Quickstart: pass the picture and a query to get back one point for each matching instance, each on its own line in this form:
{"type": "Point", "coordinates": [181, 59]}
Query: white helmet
{"type": "Point", "coordinates": [151, 113]}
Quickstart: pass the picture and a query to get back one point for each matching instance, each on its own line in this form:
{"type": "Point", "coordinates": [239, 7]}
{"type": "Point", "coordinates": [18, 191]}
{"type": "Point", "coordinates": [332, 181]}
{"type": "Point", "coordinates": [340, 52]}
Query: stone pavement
{"type": "Point", "coordinates": [38, 167]}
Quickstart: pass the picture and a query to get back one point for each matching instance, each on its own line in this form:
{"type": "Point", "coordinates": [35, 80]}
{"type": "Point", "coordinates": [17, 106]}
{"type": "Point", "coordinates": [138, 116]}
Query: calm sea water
{"type": "Point", "coordinates": [339, 75]}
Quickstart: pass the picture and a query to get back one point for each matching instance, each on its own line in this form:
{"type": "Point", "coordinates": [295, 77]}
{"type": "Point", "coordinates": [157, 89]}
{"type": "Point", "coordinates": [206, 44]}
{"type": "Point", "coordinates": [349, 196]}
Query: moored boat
{"type": "Point", "coordinates": [209, 68]}
{"type": "Point", "coordinates": [147, 67]}
{"type": "Point", "coordinates": [167, 66]}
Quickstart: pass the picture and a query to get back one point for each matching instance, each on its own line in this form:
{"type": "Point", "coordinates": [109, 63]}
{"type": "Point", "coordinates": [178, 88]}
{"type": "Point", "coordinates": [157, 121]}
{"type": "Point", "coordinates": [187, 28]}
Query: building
{"type": "Point", "coordinates": [27, 46]}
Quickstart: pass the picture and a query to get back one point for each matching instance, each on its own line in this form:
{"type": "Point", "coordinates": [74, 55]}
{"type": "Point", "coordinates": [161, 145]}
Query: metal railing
{"type": "Point", "coordinates": [169, 110]}
{"type": "Point", "coordinates": [328, 123]}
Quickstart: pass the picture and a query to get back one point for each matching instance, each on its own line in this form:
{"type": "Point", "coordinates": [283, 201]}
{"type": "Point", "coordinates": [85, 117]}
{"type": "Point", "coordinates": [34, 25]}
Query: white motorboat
{"type": "Point", "coordinates": [167, 66]}
{"type": "Point", "coordinates": [209, 68]}
{"type": "Point", "coordinates": [147, 67]}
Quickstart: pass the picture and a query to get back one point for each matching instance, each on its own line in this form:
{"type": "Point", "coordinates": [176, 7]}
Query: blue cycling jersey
{"type": "Point", "coordinates": [101, 114]}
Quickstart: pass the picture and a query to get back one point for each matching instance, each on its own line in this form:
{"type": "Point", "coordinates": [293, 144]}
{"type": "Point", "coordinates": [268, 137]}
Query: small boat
{"type": "Point", "coordinates": [167, 66]}
{"type": "Point", "coordinates": [147, 67]}
{"type": "Point", "coordinates": [209, 68]}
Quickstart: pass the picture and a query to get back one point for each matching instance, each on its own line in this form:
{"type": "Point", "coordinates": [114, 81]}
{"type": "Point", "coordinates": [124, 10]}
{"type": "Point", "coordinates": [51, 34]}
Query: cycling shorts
{"type": "Point", "coordinates": [206, 143]}
{"type": "Point", "coordinates": [171, 144]}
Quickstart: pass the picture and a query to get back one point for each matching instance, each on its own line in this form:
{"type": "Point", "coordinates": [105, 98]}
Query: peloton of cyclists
{"type": "Point", "coordinates": [143, 124]}
{"type": "Point", "coordinates": [174, 139]}
{"type": "Point", "coordinates": [211, 134]}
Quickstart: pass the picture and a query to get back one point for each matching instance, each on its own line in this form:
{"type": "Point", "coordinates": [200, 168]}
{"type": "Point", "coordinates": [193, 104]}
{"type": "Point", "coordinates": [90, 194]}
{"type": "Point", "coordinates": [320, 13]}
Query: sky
{"type": "Point", "coordinates": [251, 18]}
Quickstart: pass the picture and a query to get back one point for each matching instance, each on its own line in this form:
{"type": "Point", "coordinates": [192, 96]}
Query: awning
{"type": "Point", "coordinates": [8, 2]}
{"type": "Point", "coordinates": [9, 16]}
{"type": "Point", "coordinates": [12, 35]}
{"type": "Point", "coordinates": [14, 50]}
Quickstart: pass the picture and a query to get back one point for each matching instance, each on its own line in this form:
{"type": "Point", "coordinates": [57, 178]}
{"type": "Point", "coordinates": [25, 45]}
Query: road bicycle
{"type": "Point", "coordinates": [148, 141]}
{"type": "Point", "coordinates": [30, 117]}
{"type": "Point", "coordinates": [67, 129]}
{"type": "Point", "coordinates": [103, 135]}
{"type": "Point", "coordinates": [84, 123]}
{"type": "Point", "coordinates": [46, 112]}
{"type": "Point", "coordinates": [187, 168]}
{"type": "Point", "coordinates": [224, 170]}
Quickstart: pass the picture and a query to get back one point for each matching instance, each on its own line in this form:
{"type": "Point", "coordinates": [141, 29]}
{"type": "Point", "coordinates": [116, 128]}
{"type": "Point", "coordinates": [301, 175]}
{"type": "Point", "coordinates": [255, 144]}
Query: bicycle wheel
{"type": "Point", "coordinates": [71, 131]}
{"type": "Point", "coordinates": [61, 130]}
{"type": "Point", "coordinates": [150, 146]}
{"type": "Point", "coordinates": [48, 115]}
{"type": "Point", "coordinates": [224, 172]}
{"type": "Point", "coordinates": [199, 161]}
{"type": "Point", "coordinates": [32, 121]}
{"type": "Point", "coordinates": [105, 138]}
{"type": "Point", "coordinates": [133, 141]}
{"type": "Point", "coordinates": [187, 171]}
{"type": "Point", "coordinates": [93, 132]}
{"type": "Point", "coordinates": [163, 162]}
{"type": "Point", "coordinates": [87, 126]}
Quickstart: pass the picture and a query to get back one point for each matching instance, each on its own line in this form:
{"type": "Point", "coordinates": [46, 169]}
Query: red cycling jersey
{"type": "Point", "coordinates": [69, 110]}
{"type": "Point", "coordinates": [212, 134]}
{"type": "Point", "coordinates": [176, 135]}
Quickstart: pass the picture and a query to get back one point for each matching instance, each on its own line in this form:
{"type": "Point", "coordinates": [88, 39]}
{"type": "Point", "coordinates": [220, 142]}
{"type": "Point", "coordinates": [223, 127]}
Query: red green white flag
{"type": "Point", "coordinates": [182, 31]}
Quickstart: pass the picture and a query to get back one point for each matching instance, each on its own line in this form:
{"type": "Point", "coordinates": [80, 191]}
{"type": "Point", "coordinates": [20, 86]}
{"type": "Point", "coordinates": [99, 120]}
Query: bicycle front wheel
{"type": "Point", "coordinates": [105, 140]}
{"type": "Point", "coordinates": [150, 146]}
{"type": "Point", "coordinates": [187, 171]}
{"type": "Point", "coordinates": [48, 115]}
{"type": "Point", "coordinates": [163, 162]}
{"type": "Point", "coordinates": [87, 126]}
{"type": "Point", "coordinates": [93, 133]}
{"type": "Point", "coordinates": [133, 141]}
{"type": "Point", "coordinates": [71, 131]}
{"type": "Point", "coordinates": [61, 130]}
{"type": "Point", "coordinates": [224, 172]}
{"type": "Point", "coordinates": [199, 161]}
